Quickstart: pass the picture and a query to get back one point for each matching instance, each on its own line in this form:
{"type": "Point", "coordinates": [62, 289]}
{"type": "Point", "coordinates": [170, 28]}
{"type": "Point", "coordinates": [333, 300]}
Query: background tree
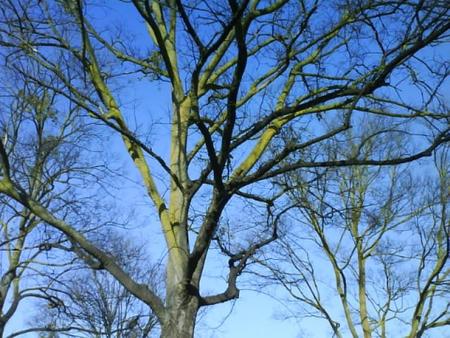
{"type": "Point", "coordinates": [367, 248]}
{"type": "Point", "coordinates": [47, 154]}
{"type": "Point", "coordinates": [259, 69]}
{"type": "Point", "coordinates": [40, 162]}
{"type": "Point", "coordinates": [87, 301]}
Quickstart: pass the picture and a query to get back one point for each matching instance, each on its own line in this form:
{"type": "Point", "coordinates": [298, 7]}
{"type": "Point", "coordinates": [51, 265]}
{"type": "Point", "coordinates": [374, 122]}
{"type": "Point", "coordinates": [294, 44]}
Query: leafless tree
{"type": "Point", "coordinates": [38, 161]}
{"type": "Point", "coordinates": [236, 75]}
{"type": "Point", "coordinates": [368, 251]}
{"type": "Point", "coordinates": [46, 147]}
{"type": "Point", "coordinates": [84, 301]}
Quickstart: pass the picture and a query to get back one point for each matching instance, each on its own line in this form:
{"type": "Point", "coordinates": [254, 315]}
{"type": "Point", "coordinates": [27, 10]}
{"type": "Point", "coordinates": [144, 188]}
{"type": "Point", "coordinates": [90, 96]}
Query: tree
{"type": "Point", "coordinates": [369, 255]}
{"type": "Point", "coordinates": [46, 149]}
{"type": "Point", "coordinates": [260, 69]}
{"type": "Point", "coordinates": [90, 301]}
{"type": "Point", "coordinates": [38, 161]}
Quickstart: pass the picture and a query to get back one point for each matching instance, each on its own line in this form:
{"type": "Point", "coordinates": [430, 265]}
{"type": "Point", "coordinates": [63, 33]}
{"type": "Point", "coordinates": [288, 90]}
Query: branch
{"type": "Point", "coordinates": [439, 140]}
{"type": "Point", "coordinates": [241, 258]}
{"type": "Point", "coordinates": [139, 290]}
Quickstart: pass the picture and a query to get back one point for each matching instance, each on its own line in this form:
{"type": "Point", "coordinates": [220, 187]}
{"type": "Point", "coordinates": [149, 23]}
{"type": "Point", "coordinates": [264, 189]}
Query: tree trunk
{"type": "Point", "coordinates": [180, 320]}
{"type": "Point", "coordinates": [181, 302]}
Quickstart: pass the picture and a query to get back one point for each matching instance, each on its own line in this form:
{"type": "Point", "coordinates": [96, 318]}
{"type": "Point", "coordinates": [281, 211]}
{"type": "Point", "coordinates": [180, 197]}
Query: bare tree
{"type": "Point", "coordinates": [259, 69]}
{"type": "Point", "coordinates": [84, 301]}
{"type": "Point", "coordinates": [39, 162]}
{"type": "Point", "coordinates": [369, 254]}
{"type": "Point", "coordinates": [48, 157]}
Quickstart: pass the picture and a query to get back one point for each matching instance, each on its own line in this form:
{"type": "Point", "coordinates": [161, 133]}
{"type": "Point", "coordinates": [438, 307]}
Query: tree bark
{"type": "Point", "coordinates": [180, 317]}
